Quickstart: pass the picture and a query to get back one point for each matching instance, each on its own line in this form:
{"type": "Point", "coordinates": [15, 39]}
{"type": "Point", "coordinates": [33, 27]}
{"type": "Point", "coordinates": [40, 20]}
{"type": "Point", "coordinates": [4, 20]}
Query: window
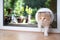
{"type": "Point", "coordinates": [22, 12]}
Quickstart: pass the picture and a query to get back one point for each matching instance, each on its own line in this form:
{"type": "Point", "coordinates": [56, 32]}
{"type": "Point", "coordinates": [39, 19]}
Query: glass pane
{"type": "Point", "coordinates": [22, 12]}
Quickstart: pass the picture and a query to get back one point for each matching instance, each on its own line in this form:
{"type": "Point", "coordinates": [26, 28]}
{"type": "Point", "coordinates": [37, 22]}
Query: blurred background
{"type": "Point", "coordinates": [23, 11]}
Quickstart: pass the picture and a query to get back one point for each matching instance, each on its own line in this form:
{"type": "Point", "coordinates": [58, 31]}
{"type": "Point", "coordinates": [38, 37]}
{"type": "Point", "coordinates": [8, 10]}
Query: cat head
{"type": "Point", "coordinates": [44, 12]}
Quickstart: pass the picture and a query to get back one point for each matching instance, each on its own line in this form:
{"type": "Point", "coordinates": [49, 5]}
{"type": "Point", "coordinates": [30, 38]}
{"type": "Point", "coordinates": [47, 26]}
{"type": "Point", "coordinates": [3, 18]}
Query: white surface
{"type": "Point", "coordinates": [28, 28]}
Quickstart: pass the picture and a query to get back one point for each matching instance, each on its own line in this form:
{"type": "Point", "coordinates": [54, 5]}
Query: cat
{"type": "Point", "coordinates": [44, 17]}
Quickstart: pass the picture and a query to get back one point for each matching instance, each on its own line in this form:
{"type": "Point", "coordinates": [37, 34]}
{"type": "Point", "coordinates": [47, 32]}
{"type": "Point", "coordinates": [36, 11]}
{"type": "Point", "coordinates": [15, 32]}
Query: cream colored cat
{"type": "Point", "coordinates": [44, 17]}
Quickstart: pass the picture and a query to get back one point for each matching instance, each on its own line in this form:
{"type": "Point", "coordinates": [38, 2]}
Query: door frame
{"type": "Point", "coordinates": [53, 30]}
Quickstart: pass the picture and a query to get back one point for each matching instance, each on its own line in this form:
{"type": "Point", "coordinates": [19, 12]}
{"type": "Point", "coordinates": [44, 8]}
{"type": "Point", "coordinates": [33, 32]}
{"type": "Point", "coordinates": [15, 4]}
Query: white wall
{"type": "Point", "coordinates": [28, 28]}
